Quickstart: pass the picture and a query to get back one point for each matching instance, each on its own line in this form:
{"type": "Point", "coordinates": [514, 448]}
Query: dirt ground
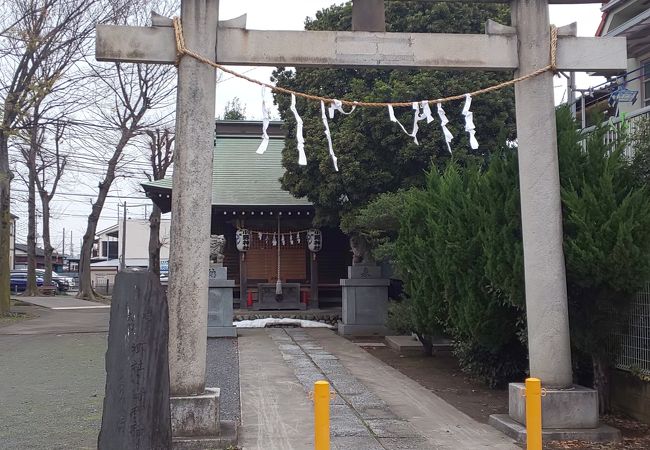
{"type": "Point", "coordinates": [636, 436]}
{"type": "Point", "coordinates": [442, 375]}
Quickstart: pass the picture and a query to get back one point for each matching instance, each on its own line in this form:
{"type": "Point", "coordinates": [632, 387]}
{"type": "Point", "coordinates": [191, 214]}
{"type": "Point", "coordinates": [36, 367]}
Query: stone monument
{"type": "Point", "coordinates": [365, 294]}
{"type": "Point", "coordinates": [220, 293]}
{"type": "Point", "coordinates": [136, 405]}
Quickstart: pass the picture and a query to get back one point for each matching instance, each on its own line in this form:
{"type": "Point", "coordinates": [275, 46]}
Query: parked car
{"type": "Point", "coordinates": [63, 284]}
{"type": "Point", "coordinates": [18, 281]}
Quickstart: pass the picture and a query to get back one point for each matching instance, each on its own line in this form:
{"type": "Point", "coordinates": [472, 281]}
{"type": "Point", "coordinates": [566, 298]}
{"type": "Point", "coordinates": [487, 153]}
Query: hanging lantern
{"type": "Point", "coordinates": [243, 239]}
{"type": "Point", "coordinates": [314, 240]}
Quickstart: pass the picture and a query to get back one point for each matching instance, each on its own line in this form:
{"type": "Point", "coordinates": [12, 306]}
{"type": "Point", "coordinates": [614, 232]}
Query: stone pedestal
{"type": "Point", "coordinates": [365, 302]}
{"type": "Point", "coordinates": [220, 301]}
{"type": "Point", "coordinates": [196, 415]}
{"type": "Point", "coordinates": [196, 424]}
{"type": "Point", "coordinates": [567, 414]}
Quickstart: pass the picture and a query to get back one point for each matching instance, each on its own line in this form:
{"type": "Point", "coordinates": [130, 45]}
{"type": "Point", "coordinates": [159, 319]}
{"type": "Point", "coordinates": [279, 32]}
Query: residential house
{"type": "Point", "coordinates": [108, 250]}
{"type": "Point", "coordinates": [20, 258]}
{"type": "Point", "coordinates": [631, 19]}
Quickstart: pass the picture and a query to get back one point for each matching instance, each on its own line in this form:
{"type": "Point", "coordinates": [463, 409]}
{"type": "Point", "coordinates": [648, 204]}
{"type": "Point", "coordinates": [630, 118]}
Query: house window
{"type": "Point", "coordinates": [646, 83]}
{"type": "Point", "coordinates": [109, 249]}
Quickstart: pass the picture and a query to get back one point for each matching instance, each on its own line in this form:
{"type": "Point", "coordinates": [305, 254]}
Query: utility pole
{"type": "Point", "coordinates": [572, 93]}
{"type": "Point", "coordinates": [63, 252]}
{"type": "Point", "coordinates": [123, 263]}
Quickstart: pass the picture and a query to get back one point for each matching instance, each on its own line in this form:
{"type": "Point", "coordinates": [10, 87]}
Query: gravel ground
{"type": "Point", "coordinates": [52, 391]}
{"type": "Point", "coordinates": [223, 372]}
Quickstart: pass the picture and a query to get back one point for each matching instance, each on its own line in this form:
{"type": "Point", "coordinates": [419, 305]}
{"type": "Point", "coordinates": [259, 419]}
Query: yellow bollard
{"type": "Point", "coordinates": [321, 415]}
{"type": "Point", "coordinates": [533, 414]}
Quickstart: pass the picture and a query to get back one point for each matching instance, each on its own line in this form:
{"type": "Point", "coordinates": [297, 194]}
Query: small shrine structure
{"type": "Point", "coordinates": [265, 225]}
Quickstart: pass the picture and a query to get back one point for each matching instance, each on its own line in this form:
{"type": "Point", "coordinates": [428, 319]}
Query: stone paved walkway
{"type": "Point", "coordinates": [444, 426]}
{"type": "Point", "coordinates": [359, 419]}
{"type": "Point", "coordinates": [375, 407]}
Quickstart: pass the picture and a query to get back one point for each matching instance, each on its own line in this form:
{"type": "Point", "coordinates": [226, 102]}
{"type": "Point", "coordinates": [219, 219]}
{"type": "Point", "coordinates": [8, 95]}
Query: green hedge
{"type": "Point", "coordinates": [459, 252]}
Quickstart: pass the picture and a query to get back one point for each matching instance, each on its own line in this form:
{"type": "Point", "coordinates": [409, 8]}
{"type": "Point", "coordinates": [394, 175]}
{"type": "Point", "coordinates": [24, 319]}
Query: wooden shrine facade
{"type": "Point", "coordinates": [247, 196]}
{"type": "Point", "coordinates": [317, 273]}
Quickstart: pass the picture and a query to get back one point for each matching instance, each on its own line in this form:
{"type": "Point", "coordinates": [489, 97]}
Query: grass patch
{"type": "Point", "coordinates": [15, 316]}
{"type": "Point", "coordinates": [12, 317]}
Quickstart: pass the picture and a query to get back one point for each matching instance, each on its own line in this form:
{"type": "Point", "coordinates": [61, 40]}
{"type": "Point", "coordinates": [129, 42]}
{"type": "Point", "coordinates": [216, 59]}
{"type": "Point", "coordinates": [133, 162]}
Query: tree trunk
{"type": "Point", "coordinates": [427, 344]}
{"type": "Point", "coordinates": [601, 382]}
{"type": "Point", "coordinates": [47, 245]}
{"type": "Point", "coordinates": [5, 224]}
{"type": "Point", "coordinates": [154, 240]}
{"type": "Point", "coordinates": [85, 285]}
{"type": "Point", "coordinates": [31, 289]}
{"type": "Point", "coordinates": [86, 290]}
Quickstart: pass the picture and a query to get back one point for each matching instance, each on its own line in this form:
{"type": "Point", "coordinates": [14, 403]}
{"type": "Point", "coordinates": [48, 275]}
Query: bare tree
{"type": "Point", "coordinates": [33, 32]}
{"type": "Point", "coordinates": [138, 97]}
{"type": "Point", "coordinates": [136, 89]}
{"type": "Point", "coordinates": [51, 167]}
{"type": "Point", "coordinates": [161, 156]}
{"type": "Point", "coordinates": [35, 140]}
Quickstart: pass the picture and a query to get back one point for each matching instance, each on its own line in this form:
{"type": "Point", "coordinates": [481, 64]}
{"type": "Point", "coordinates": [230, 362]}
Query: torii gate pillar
{"type": "Point", "coordinates": [549, 346]}
{"type": "Point", "coordinates": [192, 202]}
{"type": "Point", "coordinates": [194, 408]}
{"type": "Point", "coordinates": [368, 15]}
{"type": "Point", "coordinates": [572, 409]}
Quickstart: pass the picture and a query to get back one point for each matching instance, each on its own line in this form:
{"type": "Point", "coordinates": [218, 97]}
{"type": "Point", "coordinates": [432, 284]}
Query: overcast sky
{"type": "Point", "coordinates": [73, 205]}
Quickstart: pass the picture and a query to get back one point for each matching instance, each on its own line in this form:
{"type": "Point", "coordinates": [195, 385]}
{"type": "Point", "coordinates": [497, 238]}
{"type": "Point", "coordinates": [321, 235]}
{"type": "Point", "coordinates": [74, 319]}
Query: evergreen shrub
{"type": "Point", "coordinates": [460, 254]}
{"type": "Point", "coordinates": [447, 231]}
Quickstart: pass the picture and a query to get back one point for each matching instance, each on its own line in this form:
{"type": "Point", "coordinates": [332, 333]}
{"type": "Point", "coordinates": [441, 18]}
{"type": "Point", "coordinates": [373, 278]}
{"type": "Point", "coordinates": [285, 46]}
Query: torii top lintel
{"type": "Point", "coordinates": [236, 45]}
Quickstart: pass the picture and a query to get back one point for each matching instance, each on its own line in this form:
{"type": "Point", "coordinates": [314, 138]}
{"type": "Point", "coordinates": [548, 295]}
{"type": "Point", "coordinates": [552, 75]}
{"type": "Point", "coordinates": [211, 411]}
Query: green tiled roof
{"type": "Point", "coordinates": [241, 177]}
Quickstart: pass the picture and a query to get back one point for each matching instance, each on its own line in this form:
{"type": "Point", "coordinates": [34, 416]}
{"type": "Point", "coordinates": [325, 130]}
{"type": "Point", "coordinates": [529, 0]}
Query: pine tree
{"type": "Point", "coordinates": [374, 155]}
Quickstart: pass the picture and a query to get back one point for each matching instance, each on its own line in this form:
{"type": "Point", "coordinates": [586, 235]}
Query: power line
{"type": "Point", "coordinates": [76, 194]}
{"type": "Point", "coordinates": [92, 161]}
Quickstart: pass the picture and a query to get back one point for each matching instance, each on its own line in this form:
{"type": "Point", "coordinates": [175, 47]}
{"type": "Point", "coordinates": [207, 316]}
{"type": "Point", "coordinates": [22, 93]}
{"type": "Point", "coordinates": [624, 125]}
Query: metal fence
{"type": "Point", "coordinates": [634, 351]}
{"type": "Point", "coordinates": [103, 286]}
{"type": "Point", "coordinates": [632, 122]}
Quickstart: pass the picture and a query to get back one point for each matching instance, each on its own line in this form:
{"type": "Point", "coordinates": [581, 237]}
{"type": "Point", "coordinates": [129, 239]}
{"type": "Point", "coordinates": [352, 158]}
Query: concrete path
{"type": "Point", "coordinates": [61, 302]}
{"type": "Point", "coordinates": [441, 424]}
{"type": "Point", "coordinates": [61, 322]}
{"type": "Point", "coordinates": [276, 412]}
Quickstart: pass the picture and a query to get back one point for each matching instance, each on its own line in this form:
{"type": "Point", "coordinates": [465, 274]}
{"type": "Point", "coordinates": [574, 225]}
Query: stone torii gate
{"type": "Point", "coordinates": [524, 47]}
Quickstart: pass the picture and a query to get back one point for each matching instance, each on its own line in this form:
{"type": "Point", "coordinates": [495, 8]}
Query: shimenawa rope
{"type": "Point", "coordinates": [182, 50]}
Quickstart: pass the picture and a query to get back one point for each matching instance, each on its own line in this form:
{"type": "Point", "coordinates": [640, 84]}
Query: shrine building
{"type": "Point", "coordinates": [264, 224]}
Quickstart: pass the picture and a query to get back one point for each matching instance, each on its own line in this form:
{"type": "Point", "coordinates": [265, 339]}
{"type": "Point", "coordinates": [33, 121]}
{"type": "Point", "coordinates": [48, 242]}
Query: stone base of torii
{"type": "Point", "coordinates": [524, 47]}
